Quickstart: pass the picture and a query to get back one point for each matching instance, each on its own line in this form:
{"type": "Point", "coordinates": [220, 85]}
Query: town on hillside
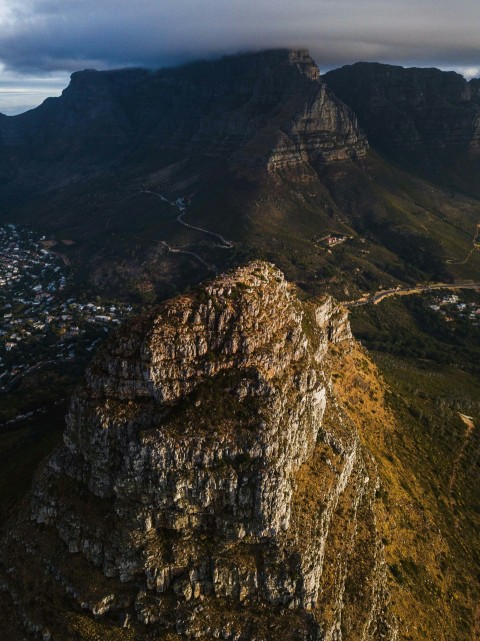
{"type": "Point", "coordinates": [452, 308]}
{"type": "Point", "coordinates": [43, 321]}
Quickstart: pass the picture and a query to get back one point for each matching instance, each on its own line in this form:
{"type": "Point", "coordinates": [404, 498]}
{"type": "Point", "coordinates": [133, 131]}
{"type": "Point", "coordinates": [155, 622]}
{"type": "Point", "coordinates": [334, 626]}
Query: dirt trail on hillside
{"type": "Point", "coordinates": [470, 428]}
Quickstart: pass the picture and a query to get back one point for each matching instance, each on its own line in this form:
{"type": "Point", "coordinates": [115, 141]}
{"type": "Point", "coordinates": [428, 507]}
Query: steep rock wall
{"type": "Point", "coordinates": [411, 110]}
{"type": "Point", "coordinates": [209, 484]}
{"type": "Point", "coordinates": [265, 110]}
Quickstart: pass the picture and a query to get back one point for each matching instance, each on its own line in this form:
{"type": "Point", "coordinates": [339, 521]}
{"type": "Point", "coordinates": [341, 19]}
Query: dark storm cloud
{"type": "Point", "coordinates": [46, 35]}
{"type": "Point", "coordinates": [50, 37]}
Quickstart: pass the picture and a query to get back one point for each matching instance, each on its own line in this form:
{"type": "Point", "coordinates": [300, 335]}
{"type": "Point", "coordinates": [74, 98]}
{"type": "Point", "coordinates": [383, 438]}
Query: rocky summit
{"type": "Point", "coordinates": [209, 484]}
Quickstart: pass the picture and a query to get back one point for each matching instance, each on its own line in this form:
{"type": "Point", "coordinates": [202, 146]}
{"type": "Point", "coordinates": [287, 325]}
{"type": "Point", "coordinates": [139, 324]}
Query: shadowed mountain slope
{"type": "Point", "coordinates": [427, 118]}
{"type": "Point", "coordinates": [146, 172]}
{"type": "Point", "coordinates": [268, 109]}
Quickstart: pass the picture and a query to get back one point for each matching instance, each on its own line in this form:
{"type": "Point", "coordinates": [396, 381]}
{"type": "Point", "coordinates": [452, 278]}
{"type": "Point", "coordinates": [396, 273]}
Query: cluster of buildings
{"type": "Point", "coordinates": [451, 307]}
{"type": "Point", "coordinates": [331, 240]}
{"type": "Point", "coordinates": [40, 320]}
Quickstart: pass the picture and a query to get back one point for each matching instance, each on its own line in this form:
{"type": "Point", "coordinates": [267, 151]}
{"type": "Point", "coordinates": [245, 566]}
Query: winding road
{"type": "Point", "coordinates": [176, 250]}
{"type": "Point", "coordinates": [408, 291]}
{"type": "Point", "coordinates": [180, 205]}
{"type": "Point", "coordinates": [454, 261]}
{"type": "Point", "coordinates": [224, 243]}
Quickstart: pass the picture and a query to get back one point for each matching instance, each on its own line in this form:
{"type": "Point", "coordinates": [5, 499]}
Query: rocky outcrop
{"type": "Point", "coordinates": [209, 484]}
{"type": "Point", "coordinates": [322, 131]}
{"type": "Point", "coordinates": [269, 109]}
{"type": "Point", "coordinates": [421, 111]}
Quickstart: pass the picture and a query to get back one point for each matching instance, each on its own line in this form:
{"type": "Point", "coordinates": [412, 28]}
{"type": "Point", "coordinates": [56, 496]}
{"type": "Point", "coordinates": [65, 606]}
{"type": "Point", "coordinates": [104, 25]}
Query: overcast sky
{"type": "Point", "coordinates": [43, 41]}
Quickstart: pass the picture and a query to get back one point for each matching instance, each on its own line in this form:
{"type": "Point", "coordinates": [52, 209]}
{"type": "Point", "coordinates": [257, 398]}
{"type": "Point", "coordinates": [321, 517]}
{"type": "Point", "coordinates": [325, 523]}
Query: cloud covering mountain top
{"type": "Point", "coordinates": [44, 37]}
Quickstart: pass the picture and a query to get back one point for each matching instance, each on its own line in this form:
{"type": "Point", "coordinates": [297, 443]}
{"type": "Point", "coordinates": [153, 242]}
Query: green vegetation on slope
{"type": "Point", "coordinates": [427, 504]}
{"type": "Point", "coordinates": [422, 424]}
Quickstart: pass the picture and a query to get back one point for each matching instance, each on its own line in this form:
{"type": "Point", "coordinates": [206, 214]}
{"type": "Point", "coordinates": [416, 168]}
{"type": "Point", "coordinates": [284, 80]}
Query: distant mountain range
{"type": "Point", "coordinates": [268, 110]}
{"type": "Point", "coordinates": [267, 153]}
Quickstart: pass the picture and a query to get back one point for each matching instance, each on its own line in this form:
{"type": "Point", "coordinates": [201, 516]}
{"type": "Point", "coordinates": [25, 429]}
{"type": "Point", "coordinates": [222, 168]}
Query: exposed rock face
{"type": "Point", "coordinates": [209, 485]}
{"type": "Point", "coordinates": [414, 110]}
{"type": "Point", "coordinates": [322, 131]}
{"type": "Point", "coordinates": [269, 109]}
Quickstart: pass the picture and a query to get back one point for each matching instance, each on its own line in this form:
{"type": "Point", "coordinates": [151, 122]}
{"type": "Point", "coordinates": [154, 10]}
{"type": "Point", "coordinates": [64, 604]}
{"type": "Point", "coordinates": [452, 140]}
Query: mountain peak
{"type": "Point", "coordinates": [202, 466]}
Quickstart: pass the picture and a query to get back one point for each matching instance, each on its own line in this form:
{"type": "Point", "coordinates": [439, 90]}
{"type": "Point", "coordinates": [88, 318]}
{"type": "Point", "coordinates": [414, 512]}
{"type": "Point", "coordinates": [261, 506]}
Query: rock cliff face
{"type": "Point", "coordinates": [414, 110]}
{"type": "Point", "coordinates": [209, 484]}
{"type": "Point", "coordinates": [269, 109]}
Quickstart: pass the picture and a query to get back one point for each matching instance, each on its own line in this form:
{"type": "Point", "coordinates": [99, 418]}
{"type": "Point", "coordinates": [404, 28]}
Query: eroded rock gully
{"type": "Point", "coordinates": [209, 484]}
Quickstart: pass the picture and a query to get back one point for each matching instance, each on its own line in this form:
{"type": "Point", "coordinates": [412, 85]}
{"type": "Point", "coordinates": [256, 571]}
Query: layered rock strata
{"type": "Point", "coordinates": [209, 484]}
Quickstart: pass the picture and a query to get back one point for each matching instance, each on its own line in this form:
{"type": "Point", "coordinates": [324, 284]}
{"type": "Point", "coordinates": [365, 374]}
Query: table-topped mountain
{"type": "Point", "coordinates": [157, 179]}
{"type": "Point", "coordinates": [268, 109]}
{"type": "Point", "coordinates": [210, 485]}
